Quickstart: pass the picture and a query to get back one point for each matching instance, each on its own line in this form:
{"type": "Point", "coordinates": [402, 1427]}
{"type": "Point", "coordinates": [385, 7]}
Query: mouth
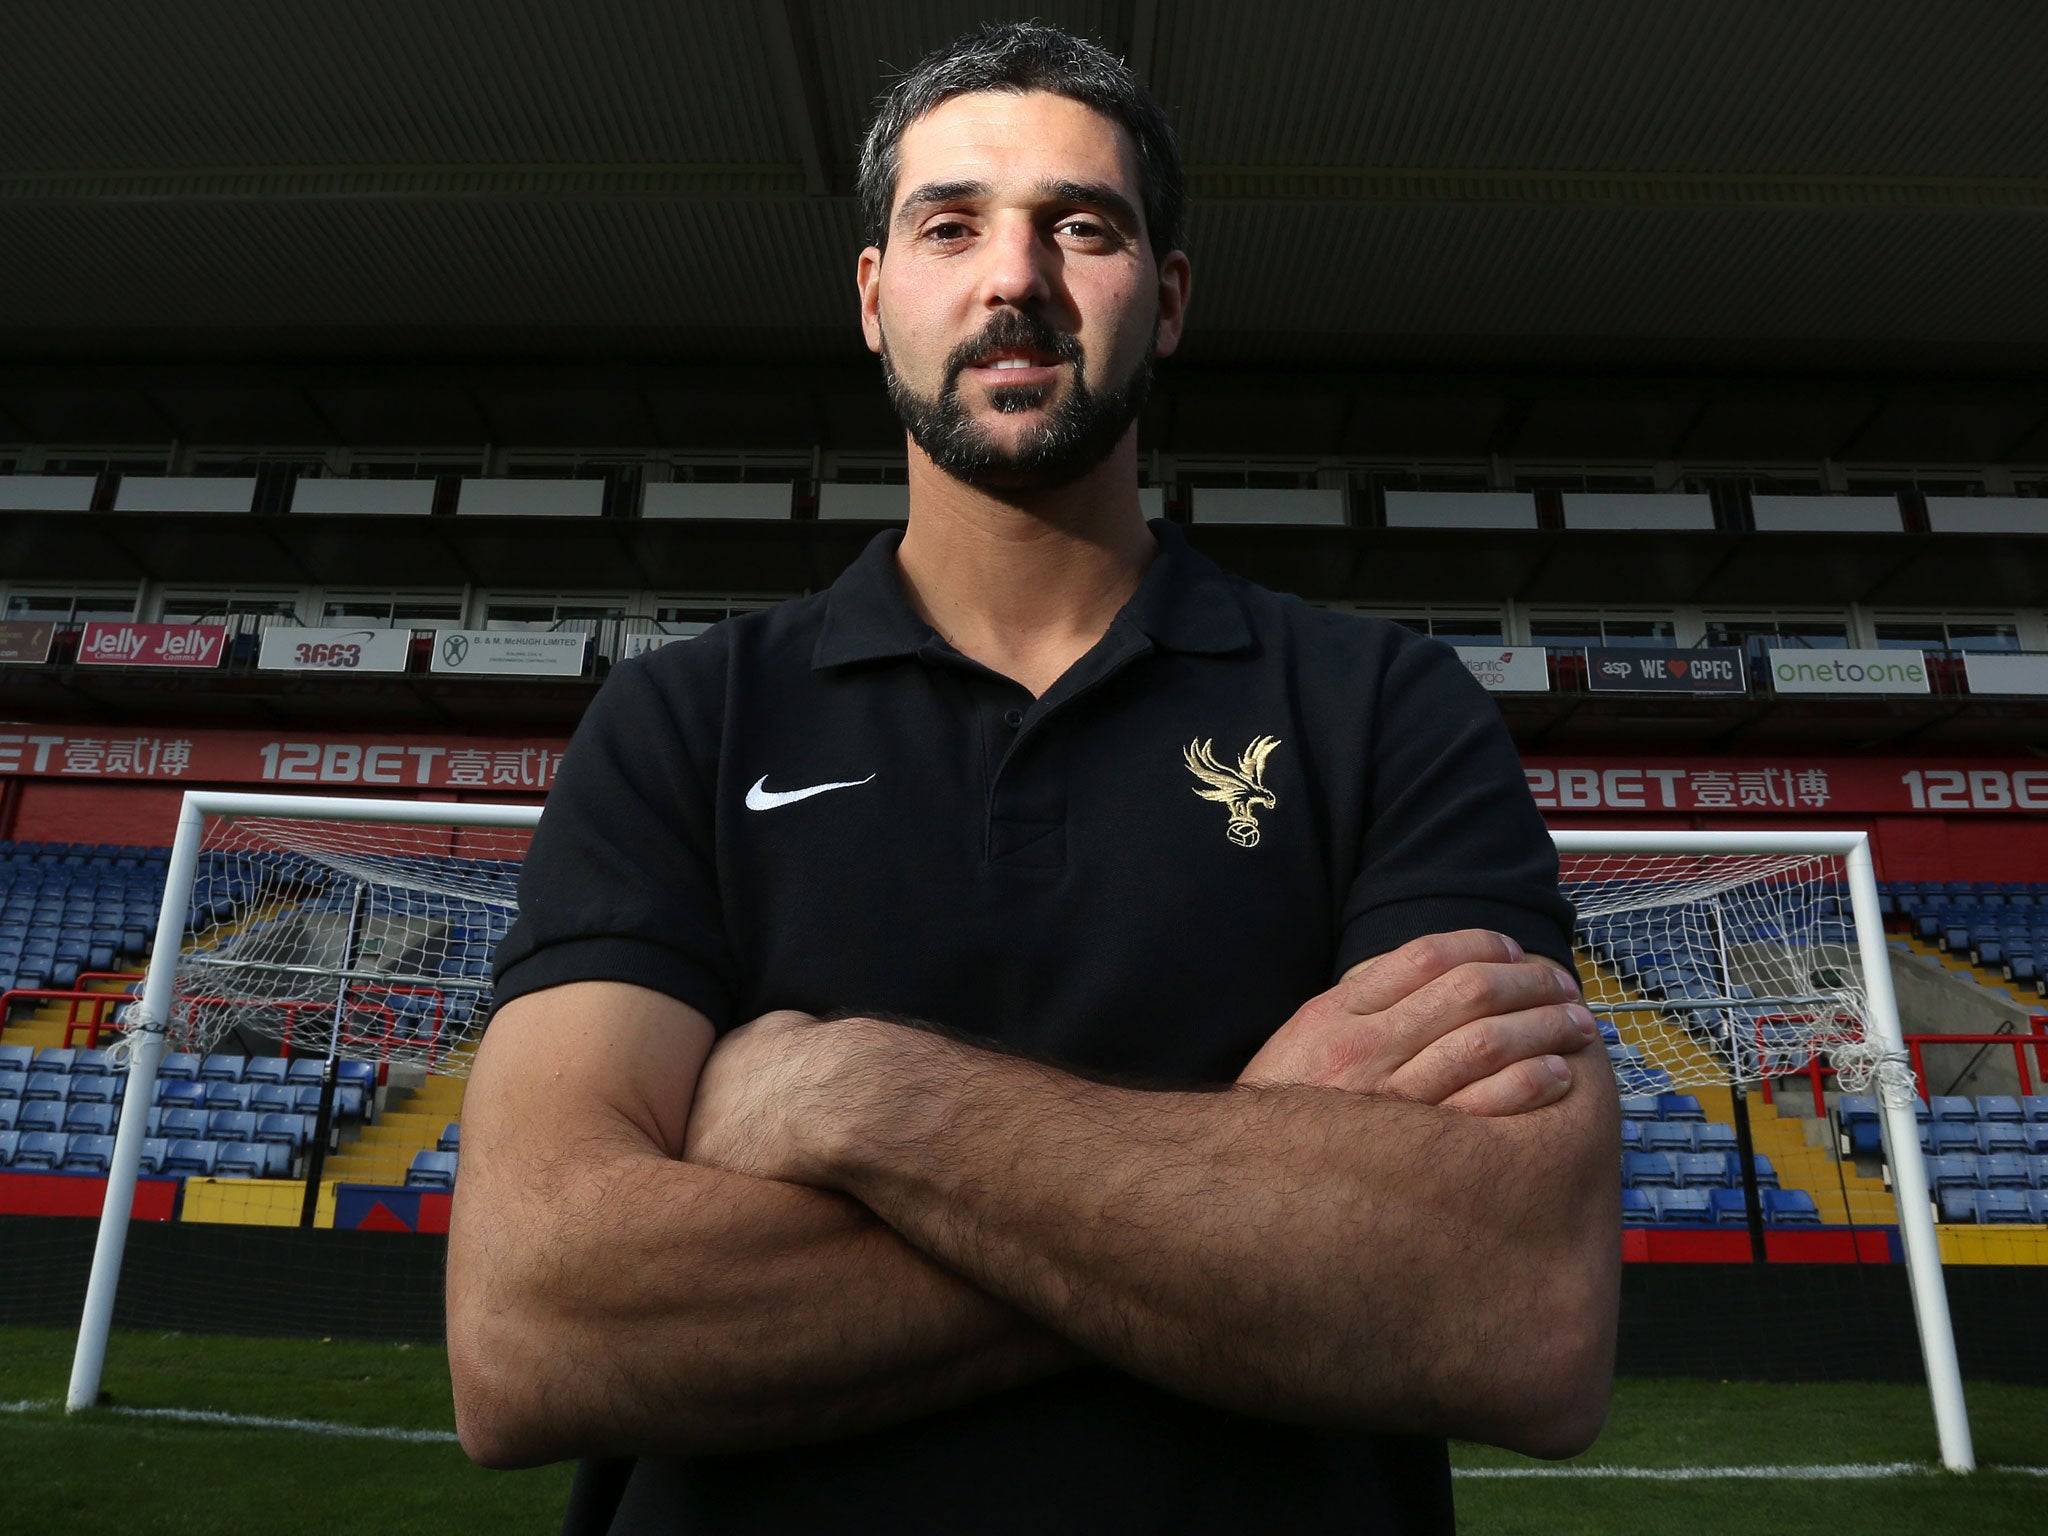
{"type": "Point", "coordinates": [1014, 367]}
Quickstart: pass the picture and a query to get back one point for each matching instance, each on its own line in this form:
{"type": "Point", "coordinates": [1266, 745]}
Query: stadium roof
{"type": "Point", "coordinates": [1811, 187]}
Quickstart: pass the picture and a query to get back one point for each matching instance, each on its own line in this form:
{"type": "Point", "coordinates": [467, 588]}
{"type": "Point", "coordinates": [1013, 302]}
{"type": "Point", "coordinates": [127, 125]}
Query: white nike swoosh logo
{"type": "Point", "coordinates": [761, 798]}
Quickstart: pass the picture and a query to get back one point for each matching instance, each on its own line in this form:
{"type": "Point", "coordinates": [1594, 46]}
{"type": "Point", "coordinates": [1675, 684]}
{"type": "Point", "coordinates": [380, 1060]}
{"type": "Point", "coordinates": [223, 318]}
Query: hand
{"type": "Point", "coordinates": [752, 1096]}
{"type": "Point", "coordinates": [1463, 1020]}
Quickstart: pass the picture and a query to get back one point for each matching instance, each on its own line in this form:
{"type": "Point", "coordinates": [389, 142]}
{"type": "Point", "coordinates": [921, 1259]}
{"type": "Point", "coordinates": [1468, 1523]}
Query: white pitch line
{"type": "Point", "coordinates": [259, 1421]}
{"type": "Point", "coordinates": [1848, 1472]}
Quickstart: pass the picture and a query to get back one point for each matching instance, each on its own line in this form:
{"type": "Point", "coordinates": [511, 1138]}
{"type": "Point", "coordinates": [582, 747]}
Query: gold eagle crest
{"type": "Point", "coordinates": [1241, 789]}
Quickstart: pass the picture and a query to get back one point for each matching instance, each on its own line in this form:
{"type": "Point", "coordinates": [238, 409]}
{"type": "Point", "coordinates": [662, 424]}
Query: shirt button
{"type": "Point", "coordinates": [1013, 718]}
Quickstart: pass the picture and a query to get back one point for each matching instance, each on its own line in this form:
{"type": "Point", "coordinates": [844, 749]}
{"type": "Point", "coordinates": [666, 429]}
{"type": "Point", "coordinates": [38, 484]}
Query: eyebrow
{"type": "Point", "coordinates": [1092, 194]}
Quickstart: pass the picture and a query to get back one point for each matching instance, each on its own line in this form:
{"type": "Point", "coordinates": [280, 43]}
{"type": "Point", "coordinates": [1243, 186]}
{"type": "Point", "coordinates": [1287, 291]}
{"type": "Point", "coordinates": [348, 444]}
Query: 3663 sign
{"type": "Point", "coordinates": [288, 648]}
{"type": "Point", "coordinates": [1661, 669]}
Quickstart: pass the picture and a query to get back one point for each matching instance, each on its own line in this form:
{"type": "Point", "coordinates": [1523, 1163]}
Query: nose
{"type": "Point", "coordinates": [1018, 264]}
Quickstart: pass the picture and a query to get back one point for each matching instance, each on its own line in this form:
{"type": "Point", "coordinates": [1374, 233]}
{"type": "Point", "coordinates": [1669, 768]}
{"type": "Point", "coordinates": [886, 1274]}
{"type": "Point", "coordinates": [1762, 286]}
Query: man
{"type": "Point", "coordinates": [1044, 1036]}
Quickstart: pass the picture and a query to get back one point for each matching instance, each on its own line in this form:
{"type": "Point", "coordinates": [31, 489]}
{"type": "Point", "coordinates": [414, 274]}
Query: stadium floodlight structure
{"type": "Point", "coordinates": [1727, 959]}
{"type": "Point", "coordinates": [330, 931]}
{"type": "Point", "coordinates": [362, 928]}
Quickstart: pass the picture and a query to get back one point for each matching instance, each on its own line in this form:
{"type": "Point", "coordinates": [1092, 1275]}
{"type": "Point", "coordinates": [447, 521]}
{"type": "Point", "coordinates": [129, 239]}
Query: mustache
{"type": "Point", "coordinates": [1008, 329]}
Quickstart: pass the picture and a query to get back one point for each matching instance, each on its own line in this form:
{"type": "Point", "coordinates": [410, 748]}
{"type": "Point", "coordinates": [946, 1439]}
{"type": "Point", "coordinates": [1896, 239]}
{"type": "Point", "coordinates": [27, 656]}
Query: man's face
{"type": "Point", "coordinates": [1018, 306]}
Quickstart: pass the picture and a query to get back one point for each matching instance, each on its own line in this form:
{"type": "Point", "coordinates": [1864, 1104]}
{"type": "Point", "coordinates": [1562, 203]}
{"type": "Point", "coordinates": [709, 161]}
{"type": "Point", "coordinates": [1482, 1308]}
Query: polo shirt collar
{"type": "Point", "coordinates": [1185, 603]}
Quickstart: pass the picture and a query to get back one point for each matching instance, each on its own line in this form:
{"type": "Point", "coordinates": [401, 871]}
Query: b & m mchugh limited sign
{"type": "Point", "coordinates": [510, 653]}
{"type": "Point", "coordinates": [1661, 669]}
{"type": "Point", "coordinates": [1848, 671]}
{"type": "Point", "coordinates": [104, 644]}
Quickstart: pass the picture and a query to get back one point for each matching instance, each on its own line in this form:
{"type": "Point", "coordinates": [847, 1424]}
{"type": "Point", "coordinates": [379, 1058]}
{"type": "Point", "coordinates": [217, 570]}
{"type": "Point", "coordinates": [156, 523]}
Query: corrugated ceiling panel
{"type": "Point", "coordinates": [1475, 270]}
{"type": "Point", "coordinates": [1809, 87]}
{"type": "Point", "coordinates": [695, 264]}
{"type": "Point", "coordinates": [862, 47]}
{"type": "Point", "coordinates": [101, 84]}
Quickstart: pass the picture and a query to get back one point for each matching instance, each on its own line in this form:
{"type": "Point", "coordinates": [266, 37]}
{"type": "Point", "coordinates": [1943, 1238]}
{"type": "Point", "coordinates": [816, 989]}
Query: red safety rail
{"type": "Point", "coordinates": [286, 1006]}
{"type": "Point", "coordinates": [2035, 1040]}
{"type": "Point", "coordinates": [1813, 1066]}
{"type": "Point", "coordinates": [101, 1003]}
{"type": "Point", "coordinates": [384, 1039]}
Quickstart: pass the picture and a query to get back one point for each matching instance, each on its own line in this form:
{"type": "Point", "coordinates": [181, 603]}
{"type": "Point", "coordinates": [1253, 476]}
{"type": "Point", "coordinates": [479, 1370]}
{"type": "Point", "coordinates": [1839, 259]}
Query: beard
{"type": "Point", "coordinates": [1080, 432]}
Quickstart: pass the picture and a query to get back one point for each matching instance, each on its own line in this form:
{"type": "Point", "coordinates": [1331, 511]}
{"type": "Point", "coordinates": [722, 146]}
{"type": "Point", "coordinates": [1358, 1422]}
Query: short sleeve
{"type": "Point", "coordinates": [621, 881]}
{"type": "Point", "coordinates": [1452, 836]}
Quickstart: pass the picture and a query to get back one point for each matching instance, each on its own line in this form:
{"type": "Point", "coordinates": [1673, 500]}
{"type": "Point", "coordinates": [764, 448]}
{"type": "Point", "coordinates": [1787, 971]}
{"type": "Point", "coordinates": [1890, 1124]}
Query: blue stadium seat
{"type": "Point", "coordinates": [1631, 1135]}
{"type": "Point", "coordinates": [40, 1151]}
{"type": "Point", "coordinates": [1729, 1207]}
{"type": "Point", "coordinates": [49, 1086]}
{"type": "Point", "coordinates": [1701, 1170]}
{"type": "Point", "coordinates": [1953, 1171]}
{"type": "Point", "coordinates": [40, 1115]}
{"type": "Point", "coordinates": [16, 1058]}
{"type": "Point", "coordinates": [1996, 1107]}
{"type": "Point", "coordinates": [182, 1124]}
{"type": "Point", "coordinates": [89, 1119]}
{"type": "Point", "coordinates": [96, 1088]}
{"type": "Point", "coordinates": [10, 1141]}
{"type": "Point", "coordinates": [1662, 1136]}
{"type": "Point", "coordinates": [230, 1125]}
{"type": "Point", "coordinates": [189, 1158]}
{"type": "Point", "coordinates": [1766, 1173]}
{"type": "Point", "coordinates": [1636, 1210]}
{"type": "Point", "coordinates": [56, 1058]}
{"type": "Point", "coordinates": [266, 1069]}
{"type": "Point", "coordinates": [2004, 1170]}
{"type": "Point", "coordinates": [273, 1099]}
{"type": "Point", "coordinates": [153, 1150]}
{"type": "Point", "coordinates": [451, 1137]}
{"type": "Point", "coordinates": [1646, 1170]}
{"type": "Point", "coordinates": [13, 1083]}
{"type": "Point", "coordinates": [10, 1114]}
{"type": "Point", "coordinates": [220, 1095]}
{"type": "Point", "coordinates": [1948, 1137]}
{"type": "Point", "coordinates": [2001, 1136]}
{"type": "Point", "coordinates": [1682, 1205]}
{"type": "Point", "coordinates": [1956, 1107]}
{"type": "Point", "coordinates": [431, 1170]}
{"type": "Point", "coordinates": [222, 1067]}
{"type": "Point", "coordinates": [251, 1160]}
{"type": "Point", "coordinates": [1789, 1208]}
{"type": "Point", "coordinates": [2004, 1206]}
{"type": "Point", "coordinates": [180, 1093]}
{"type": "Point", "coordinates": [2034, 1108]}
{"type": "Point", "coordinates": [178, 1065]}
{"type": "Point", "coordinates": [2037, 1170]}
{"type": "Point", "coordinates": [1640, 1106]}
{"type": "Point", "coordinates": [1714, 1137]}
{"type": "Point", "coordinates": [2037, 1203]}
{"type": "Point", "coordinates": [285, 1130]}
{"type": "Point", "coordinates": [89, 1154]}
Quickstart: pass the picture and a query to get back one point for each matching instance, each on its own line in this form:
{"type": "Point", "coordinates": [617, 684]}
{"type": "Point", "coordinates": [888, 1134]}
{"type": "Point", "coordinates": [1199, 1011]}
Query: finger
{"type": "Point", "coordinates": [1476, 1051]}
{"type": "Point", "coordinates": [1375, 985]}
{"type": "Point", "coordinates": [1517, 1089]}
{"type": "Point", "coordinates": [1465, 995]}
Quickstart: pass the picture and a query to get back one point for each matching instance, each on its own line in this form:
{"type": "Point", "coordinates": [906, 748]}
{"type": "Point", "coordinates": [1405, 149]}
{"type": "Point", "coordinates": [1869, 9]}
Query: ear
{"type": "Point", "coordinates": [868, 277]}
{"type": "Point", "coordinates": [1176, 280]}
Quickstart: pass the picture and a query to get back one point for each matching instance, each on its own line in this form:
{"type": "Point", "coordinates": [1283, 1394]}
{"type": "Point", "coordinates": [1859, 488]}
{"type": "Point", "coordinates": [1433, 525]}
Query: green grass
{"type": "Point", "coordinates": [99, 1474]}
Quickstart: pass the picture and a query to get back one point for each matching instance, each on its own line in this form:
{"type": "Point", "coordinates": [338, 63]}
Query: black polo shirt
{"type": "Point", "coordinates": [1228, 801]}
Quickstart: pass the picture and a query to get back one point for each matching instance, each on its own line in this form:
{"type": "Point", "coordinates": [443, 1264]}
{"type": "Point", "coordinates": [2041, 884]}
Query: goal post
{"type": "Point", "coordinates": [175, 951]}
{"type": "Point", "coordinates": [350, 929]}
{"type": "Point", "coordinates": [1789, 974]}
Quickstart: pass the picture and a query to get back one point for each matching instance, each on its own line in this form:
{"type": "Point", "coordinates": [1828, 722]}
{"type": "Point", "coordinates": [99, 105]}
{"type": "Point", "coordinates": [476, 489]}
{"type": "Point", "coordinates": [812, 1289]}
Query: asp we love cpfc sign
{"type": "Point", "coordinates": [1661, 669]}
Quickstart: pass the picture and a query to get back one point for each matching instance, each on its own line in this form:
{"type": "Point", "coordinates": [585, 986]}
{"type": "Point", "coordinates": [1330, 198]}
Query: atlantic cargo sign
{"type": "Point", "coordinates": [104, 644]}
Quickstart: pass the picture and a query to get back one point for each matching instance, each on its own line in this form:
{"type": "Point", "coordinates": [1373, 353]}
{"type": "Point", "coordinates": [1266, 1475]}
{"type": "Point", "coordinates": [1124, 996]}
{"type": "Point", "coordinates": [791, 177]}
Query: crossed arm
{"type": "Point", "coordinates": [1402, 1216]}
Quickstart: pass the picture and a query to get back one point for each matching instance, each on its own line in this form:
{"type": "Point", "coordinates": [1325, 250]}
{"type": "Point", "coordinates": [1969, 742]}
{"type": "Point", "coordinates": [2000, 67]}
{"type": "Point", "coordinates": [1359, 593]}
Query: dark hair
{"type": "Point", "coordinates": [1018, 57]}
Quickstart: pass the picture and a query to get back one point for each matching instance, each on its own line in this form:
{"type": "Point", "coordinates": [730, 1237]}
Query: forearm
{"type": "Point", "coordinates": [649, 1305]}
{"type": "Point", "coordinates": [1298, 1253]}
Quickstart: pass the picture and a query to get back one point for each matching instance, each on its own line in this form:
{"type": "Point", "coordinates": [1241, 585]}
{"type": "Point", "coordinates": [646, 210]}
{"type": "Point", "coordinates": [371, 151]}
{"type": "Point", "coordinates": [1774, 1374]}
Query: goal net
{"type": "Point", "coordinates": [361, 940]}
{"type": "Point", "coordinates": [1719, 970]}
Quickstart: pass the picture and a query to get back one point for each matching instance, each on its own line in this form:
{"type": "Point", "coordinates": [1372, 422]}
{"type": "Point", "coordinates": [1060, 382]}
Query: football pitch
{"type": "Point", "coordinates": [215, 1436]}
